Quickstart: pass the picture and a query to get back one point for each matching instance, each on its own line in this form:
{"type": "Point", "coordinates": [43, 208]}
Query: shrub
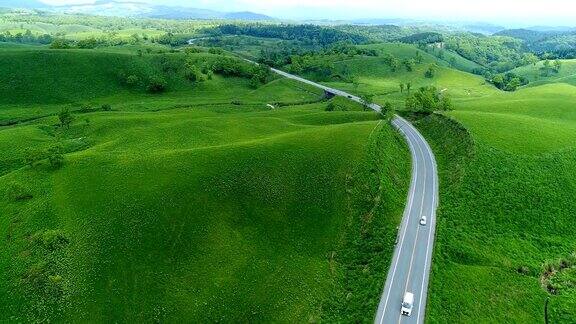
{"type": "Point", "coordinates": [428, 100]}
{"type": "Point", "coordinates": [156, 85]}
{"type": "Point", "coordinates": [430, 73]}
{"type": "Point", "coordinates": [65, 117]}
{"type": "Point", "coordinates": [330, 107]}
{"type": "Point", "coordinates": [55, 156]}
{"type": "Point", "coordinates": [50, 240]}
{"type": "Point", "coordinates": [132, 80]}
{"type": "Point", "coordinates": [86, 108]}
{"type": "Point", "coordinates": [106, 107]}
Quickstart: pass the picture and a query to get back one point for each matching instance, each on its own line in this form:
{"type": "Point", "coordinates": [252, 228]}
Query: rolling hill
{"type": "Point", "coordinates": [186, 206]}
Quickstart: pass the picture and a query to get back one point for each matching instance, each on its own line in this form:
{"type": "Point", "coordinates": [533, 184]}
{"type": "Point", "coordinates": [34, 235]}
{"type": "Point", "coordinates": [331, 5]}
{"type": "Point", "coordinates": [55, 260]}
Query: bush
{"type": "Point", "coordinates": [65, 117]}
{"type": "Point", "coordinates": [106, 107]}
{"type": "Point", "coordinates": [56, 156]}
{"type": "Point", "coordinates": [156, 85]}
{"type": "Point", "coordinates": [428, 100]}
{"type": "Point", "coordinates": [330, 107]}
{"type": "Point", "coordinates": [430, 73]}
{"type": "Point", "coordinates": [132, 80]}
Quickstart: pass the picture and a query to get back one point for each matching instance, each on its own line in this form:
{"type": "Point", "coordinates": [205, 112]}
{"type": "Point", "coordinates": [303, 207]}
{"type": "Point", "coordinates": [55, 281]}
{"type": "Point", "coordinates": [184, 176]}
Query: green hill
{"type": "Point", "coordinates": [506, 207]}
{"type": "Point", "coordinates": [536, 76]}
{"type": "Point", "coordinates": [183, 206]}
{"type": "Point", "coordinates": [375, 76]}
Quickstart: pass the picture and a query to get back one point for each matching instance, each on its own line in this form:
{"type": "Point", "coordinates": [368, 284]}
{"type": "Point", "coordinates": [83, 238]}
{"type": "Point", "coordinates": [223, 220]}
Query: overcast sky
{"type": "Point", "coordinates": [529, 12]}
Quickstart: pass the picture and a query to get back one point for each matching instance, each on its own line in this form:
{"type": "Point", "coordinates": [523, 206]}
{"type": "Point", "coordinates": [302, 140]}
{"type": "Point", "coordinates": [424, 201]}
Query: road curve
{"type": "Point", "coordinates": [410, 268]}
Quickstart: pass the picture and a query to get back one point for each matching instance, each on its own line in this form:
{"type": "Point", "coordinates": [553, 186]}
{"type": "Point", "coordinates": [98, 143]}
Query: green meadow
{"type": "Point", "coordinates": [201, 203]}
{"type": "Point", "coordinates": [507, 207]}
{"type": "Point", "coordinates": [507, 162]}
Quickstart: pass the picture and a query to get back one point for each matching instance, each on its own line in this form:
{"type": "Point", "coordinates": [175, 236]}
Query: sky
{"type": "Point", "coordinates": [529, 12]}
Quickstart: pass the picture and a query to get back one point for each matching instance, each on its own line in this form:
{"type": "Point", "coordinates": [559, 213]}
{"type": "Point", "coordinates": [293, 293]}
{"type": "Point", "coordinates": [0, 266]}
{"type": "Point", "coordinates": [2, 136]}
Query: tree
{"type": "Point", "coordinates": [419, 57]}
{"type": "Point", "coordinates": [430, 73]}
{"type": "Point", "coordinates": [60, 43]}
{"type": "Point", "coordinates": [394, 64]}
{"type": "Point", "coordinates": [427, 100]}
{"type": "Point", "coordinates": [529, 59]}
{"type": "Point", "coordinates": [409, 64]}
{"type": "Point", "coordinates": [55, 156]}
{"type": "Point", "coordinates": [557, 65]}
{"type": "Point", "coordinates": [367, 100]}
{"type": "Point", "coordinates": [498, 81]}
{"type": "Point", "coordinates": [408, 86]}
{"type": "Point", "coordinates": [193, 73]}
{"type": "Point", "coordinates": [401, 87]}
{"type": "Point", "coordinates": [513, 84]}
{"type": "Point", "coordinates": [445, 103]}
{"type": "Point", "coordinates": [388, 110]}
{"type": "Point", "coordinates": [65, 117]}
{"type": "Point", "coordinates": [156, 85]}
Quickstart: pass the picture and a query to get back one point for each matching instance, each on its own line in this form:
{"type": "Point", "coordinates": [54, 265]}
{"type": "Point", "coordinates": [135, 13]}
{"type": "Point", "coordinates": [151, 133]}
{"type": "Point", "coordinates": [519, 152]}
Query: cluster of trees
{"type": "Point", "coordinates": [201, 70]}
{"type": "Point", "coordinates": [423, 38]}
{"type": "Point", "coordinates": [152, 83]}
{"type": "Point", "coordinates": [496, 53]}
{"type": "Point", "coordinates": [507, 81]}
{"type": "Point", "coordinates": [311, 34]}
{"type": "Point", "coordinates": [285, 55]}
{"type": "Point", "coordinates": [549, 67]}
{"type": "Point", "coordinates": [25, 38]}
{"type": "Point", "coordinates": [428, 100]}
{"type": "Point", "coordinates": [93, 42]}
{"type": "Point", "coordinates": [409, 64]}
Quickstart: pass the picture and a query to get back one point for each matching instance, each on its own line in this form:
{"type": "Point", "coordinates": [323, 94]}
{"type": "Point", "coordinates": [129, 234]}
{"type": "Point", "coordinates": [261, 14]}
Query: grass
{"type": "Point", "coordinates": [506, 206]}
{"type": "Point", "coordinates": [75, 78]}
{"type": "Point", "coordinates": [533, 73]}
{"type": "Point", "coordinates": [376, 78]}
{"type": "Point", "coordinates": [183, 206]}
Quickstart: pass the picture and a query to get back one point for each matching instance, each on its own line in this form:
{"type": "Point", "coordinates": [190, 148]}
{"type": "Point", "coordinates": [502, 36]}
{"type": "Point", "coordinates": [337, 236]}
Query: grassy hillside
{"type": "Point", "coordinates": [533, 73]}
{"type": "Point", "coordinates": [77, 78]}
{"type": "Point", "coordinates": [183, 206]}
{"type": "Point", "coordinates": [375, 77]}
{"type": "Point", "coordinates": [507, 213]}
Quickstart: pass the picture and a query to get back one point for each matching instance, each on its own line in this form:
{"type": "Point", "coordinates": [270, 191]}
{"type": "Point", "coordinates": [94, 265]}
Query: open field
{"type": "Point", "coordinates": [506, 206]}
{"type": "Point", "coordinates": [186, 206]}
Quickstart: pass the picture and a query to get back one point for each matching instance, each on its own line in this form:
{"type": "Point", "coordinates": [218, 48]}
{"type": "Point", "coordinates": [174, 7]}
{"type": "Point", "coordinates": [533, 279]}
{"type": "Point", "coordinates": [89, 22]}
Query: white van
{"type": "Point", "coordinates": [407, 303]}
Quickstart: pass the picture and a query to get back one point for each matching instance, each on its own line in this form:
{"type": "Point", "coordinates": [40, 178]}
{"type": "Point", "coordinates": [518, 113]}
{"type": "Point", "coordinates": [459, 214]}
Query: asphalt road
{"type": "Point", "coordinates": [410, 268]}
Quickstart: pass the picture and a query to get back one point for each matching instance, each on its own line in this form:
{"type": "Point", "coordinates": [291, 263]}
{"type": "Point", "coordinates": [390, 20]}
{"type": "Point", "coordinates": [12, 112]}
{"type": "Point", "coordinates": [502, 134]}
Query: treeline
{"type": "Point", "coordinates": [26, 38]}
{"type": "Point", "coordinates": [311, 34]}
{"type": "Point", "coordinates": [423, 38]}
{"type": "Point", "coordinates": [552, 45]}
{"type": "Point", "coordinates": [317, 64]}
{"type": "Point", "coordinates": [497, 54]}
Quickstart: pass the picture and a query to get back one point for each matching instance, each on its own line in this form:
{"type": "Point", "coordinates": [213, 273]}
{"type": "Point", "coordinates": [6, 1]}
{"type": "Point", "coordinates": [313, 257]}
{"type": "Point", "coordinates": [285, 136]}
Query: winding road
{"type": "Point", "coordinates": [410, 268]}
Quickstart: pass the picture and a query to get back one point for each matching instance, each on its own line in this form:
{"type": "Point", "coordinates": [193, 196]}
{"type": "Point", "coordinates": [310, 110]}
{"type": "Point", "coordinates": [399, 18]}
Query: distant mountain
{"type": "Point", "coordinates": [483, 28]}
{"type": "Point", "coordinates": [526, 35]}
{"type": "Point", "coordinates": [135, 9]}
{"type": "Point", "coordinates": [246, 15]}
{"type": "Point", "coordinates": [556, 29]}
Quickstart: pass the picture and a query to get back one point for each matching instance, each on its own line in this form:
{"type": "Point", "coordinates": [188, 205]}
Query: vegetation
{"type": "Point", "coordinates": [110, 129]}
{"type": "Point", "coordinates": [261, 234]}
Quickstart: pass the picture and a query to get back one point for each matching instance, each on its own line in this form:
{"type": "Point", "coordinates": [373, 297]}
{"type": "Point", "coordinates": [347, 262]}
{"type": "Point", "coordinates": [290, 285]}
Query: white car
{"type": "Point", "coordinates": [407, 304]}
{"type": "Point", "coordinates": [423, 221]}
